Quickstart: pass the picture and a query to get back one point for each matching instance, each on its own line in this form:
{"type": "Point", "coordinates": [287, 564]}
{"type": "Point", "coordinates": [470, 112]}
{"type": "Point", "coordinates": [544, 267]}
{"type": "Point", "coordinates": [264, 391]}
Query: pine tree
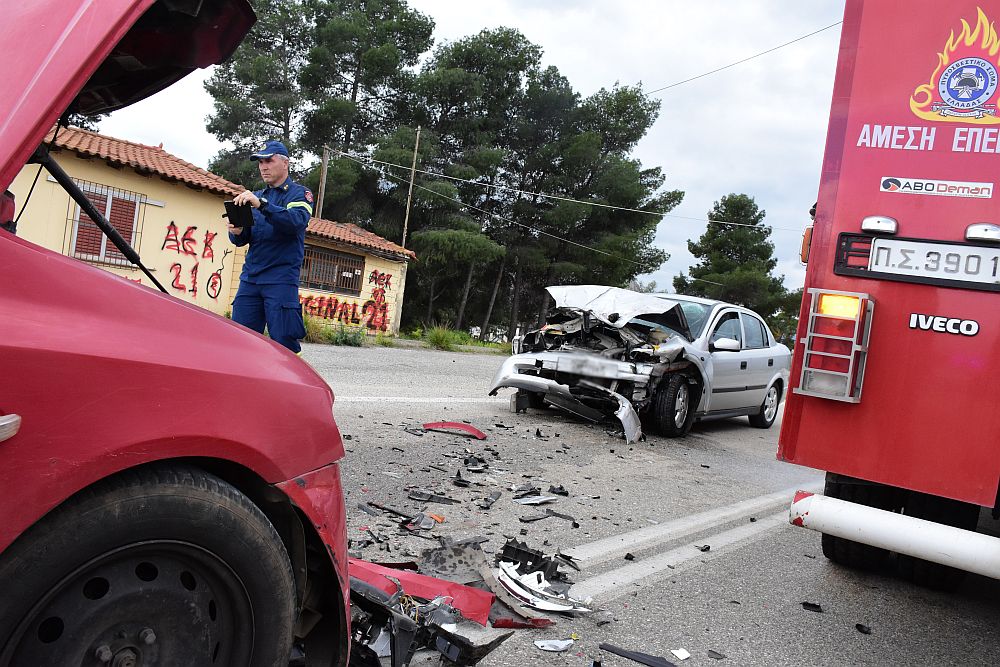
{"type": "Point", "coordinates": [735, 259]}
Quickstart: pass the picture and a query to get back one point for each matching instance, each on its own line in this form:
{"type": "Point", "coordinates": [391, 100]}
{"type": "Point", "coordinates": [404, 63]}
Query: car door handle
{"type": "Point", "coordinates": [770, 362]}
{"type": "Point", "coordinates": [743, 365]}
{"type": "Point", "coordinates": [9, 426]}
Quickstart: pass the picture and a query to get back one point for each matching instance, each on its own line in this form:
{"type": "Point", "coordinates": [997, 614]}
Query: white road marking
{"type": "Point", "coordinates": [419, 399]}
{"type": "Point", "coordinates": [610, 585]}
{"type": "Point", "coordinates": [617, 546]}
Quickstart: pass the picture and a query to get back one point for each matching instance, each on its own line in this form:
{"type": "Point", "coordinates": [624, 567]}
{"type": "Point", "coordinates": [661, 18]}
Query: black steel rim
{"type": "Point", "coordinates": [161, 602]}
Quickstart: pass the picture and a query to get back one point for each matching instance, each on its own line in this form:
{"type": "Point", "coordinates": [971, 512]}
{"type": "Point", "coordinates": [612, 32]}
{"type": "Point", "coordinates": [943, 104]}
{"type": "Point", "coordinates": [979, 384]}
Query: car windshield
{"type": "Point", "coordinates": [696, 315]}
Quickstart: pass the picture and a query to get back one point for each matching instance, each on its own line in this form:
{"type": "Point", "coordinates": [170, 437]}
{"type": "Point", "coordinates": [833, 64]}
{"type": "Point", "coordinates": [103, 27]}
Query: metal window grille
{"type": "Point", "coordinates": [332, 271]}
{"type": "Point", "coordinates": [123, 209]}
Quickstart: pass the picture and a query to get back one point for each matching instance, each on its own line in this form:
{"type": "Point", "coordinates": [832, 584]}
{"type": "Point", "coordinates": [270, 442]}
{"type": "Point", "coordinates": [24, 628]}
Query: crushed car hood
{"type": "Point", "coordinates": [615, 306]}
{"type": "Point", "coordinates": [95, 56]}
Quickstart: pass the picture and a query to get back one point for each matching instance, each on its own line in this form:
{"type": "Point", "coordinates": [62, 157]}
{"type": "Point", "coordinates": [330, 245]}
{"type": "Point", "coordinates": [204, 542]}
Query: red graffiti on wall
{"type": "Point", "coordinates": [194, 280]}
{"type": "Point", "coordinates": [170, 241]}
{"type": "Point", "coordinates": [188, 241]}
{"type": "Point", "coordinates": [175, 269]}
{"type": "Point", "coordinates": [208, 253]}
{"type": "Point", "coordinates": [383, 280]}
{"type": "Point", "coordinates": [376, 311]}
{"type": "Point", "coordinates": [373, 314]}
{"type": "Point", "coordinates": [214, 285]}
{"type": "Point", "coordinates": [183, 245]}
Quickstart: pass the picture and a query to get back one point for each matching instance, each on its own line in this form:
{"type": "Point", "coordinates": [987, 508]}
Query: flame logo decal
{"type": "Point", "coordinates": [965, 81]}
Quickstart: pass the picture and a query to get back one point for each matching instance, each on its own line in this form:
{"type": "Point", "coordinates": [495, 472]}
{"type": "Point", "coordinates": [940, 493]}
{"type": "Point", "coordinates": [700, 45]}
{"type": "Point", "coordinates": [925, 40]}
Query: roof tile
{"type": "Point", "coordinates": [153, 159]}
{"type": "Point", "coordinates": [346, 232]}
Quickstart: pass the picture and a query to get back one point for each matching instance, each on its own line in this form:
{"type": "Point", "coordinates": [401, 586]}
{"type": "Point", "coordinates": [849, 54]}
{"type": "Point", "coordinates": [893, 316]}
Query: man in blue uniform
{"type": "Point", "coordinates": [269, 284]}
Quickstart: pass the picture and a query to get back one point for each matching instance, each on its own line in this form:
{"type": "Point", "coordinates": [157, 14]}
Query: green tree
{"type": "Point", "coordinates": [735, 260]}
{"type": "Point", "coordinates": [256, 92]}
{"type": "Point", "coordinates": [357, 68]}
{"type": "Point", "coordinates": [785, 320]}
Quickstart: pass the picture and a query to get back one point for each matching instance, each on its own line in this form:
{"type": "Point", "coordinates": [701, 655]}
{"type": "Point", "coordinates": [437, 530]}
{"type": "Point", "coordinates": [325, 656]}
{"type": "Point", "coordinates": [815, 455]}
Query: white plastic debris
{"type": "Point", "coordinates": [554, 645]}
{"type": "Point", "coordinates": [680, 654]}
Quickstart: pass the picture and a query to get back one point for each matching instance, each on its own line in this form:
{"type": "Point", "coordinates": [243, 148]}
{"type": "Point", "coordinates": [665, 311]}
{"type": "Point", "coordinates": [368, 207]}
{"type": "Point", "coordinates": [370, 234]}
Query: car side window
{"type": "Point", "coordinates": [756, 338]}
{"type": "Point", "coordinates": [728, 326]}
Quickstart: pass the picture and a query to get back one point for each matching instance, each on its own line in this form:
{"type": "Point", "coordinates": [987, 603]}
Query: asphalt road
{"type": "Point", "coordinates": [658, 500]}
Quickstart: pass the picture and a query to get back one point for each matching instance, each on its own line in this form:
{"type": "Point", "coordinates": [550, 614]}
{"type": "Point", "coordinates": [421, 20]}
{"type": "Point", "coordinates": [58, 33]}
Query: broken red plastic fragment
{"type": "Point", "coordinates": [472, 602]}
{"type": "Point", "coordinates": [466, 429]}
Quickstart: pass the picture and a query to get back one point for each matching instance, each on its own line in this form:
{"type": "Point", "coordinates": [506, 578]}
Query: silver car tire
{"type": "Point", "coordinates": [768, 409]}
{"type": "Point", "coordinates": [674, 406]}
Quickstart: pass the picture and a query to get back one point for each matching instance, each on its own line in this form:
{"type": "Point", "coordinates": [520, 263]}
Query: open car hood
{"type": "Point", "coordinates": [615, 306]}
{"type": "Point", "coordinates": [95, 56]}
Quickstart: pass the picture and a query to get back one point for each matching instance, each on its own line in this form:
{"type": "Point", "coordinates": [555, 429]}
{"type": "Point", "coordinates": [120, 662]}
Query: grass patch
{"type": "Point", "coordinates": [382, 340]}
{"type": "Point", "coordinates": [316, 331]}
{"type": "Point", "coordinates": [442, 338]}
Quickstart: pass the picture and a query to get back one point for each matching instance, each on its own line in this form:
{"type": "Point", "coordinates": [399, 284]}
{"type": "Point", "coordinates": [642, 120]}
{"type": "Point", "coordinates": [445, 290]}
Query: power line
{"type": "Point", "coordinates": [366, 160]}
{"type": "Point", "coordinates": [738, 62]}
{"type": "Point", "coordinates": [500, 217]}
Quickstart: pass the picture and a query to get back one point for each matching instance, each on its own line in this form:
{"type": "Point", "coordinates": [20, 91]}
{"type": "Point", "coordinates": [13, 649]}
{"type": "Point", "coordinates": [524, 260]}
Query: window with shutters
{"type": "Point", "coordinates": [332, 271]}
{"type": "Point", "coordinates": [122, 210]}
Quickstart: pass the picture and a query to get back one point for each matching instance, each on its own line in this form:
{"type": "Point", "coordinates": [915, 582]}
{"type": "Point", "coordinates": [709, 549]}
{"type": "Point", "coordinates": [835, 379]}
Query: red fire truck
{"type": "Point", "coordinates": [897, 357]}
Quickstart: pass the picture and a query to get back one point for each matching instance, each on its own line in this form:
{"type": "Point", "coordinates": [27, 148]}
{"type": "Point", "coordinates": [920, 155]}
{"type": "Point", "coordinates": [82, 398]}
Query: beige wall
{"type": "Point", "coordinates": [375, 310]}
{"type": "Point", "coordinates": [174, 231]}
{"type": "Point", "coordinates": [170, 238]}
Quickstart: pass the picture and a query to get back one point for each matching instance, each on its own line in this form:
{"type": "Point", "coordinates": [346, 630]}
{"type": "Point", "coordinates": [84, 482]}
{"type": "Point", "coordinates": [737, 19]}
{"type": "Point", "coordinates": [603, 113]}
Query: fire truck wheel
{"type": "Point", "coordinates": [768, 409]}
{"type": "Point", "coordinates": [674, 406]}
{"type": "Point", "coordinates": [156, 566]}
{"type": "Point", "coordinates": [847, 552]}
{"type": "Point", "coordinates": [940, 510]}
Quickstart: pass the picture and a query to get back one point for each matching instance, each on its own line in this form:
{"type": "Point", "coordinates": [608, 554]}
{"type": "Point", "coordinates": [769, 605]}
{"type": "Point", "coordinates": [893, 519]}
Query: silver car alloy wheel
{"type": "Point", "coordinates": [771, 404]}
{"type": "Point", "coordinates": [681, 406]}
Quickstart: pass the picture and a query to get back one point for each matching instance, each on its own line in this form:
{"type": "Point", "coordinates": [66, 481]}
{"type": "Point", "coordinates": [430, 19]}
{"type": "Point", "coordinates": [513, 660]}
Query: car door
{"type": "Point", "coordinates": [760, 359]}
{"type": "Point", "coordinates": [730, 370]}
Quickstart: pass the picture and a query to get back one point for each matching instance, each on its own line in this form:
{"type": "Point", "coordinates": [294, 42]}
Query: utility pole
{"type": "Point", "coordinates": [409, 195]}
{"type": "Point", "coordinates": [322, 181]}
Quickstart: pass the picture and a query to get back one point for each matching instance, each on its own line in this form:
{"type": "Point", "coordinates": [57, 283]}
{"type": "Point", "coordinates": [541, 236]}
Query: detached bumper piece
{"type": "Point", "coordinates": [398, 624]}
{"type": "Point", "coordinates": [516, 372]}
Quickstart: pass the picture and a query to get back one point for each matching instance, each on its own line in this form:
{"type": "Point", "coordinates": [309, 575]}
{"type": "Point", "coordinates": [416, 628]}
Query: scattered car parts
{"type": "Point", "coordinates": [467, 430]}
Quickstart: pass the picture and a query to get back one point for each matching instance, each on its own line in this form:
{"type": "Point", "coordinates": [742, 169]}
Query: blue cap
{"type": "Point", "coordinates": [270, 148]}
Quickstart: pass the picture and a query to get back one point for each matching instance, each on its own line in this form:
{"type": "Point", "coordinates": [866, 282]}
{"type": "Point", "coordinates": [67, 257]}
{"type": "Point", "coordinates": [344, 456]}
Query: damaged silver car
{"type": "Point", "coordinates": [661, 359]}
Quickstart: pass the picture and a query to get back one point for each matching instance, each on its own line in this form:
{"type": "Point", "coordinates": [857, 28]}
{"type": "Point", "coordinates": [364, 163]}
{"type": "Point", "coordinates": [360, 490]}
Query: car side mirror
{"type": "Point", "coordinates": [724, 345]}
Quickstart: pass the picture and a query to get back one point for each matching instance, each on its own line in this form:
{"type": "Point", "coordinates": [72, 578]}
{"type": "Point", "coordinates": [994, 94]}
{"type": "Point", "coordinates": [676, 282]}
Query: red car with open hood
{"type": "Point", "coordinates": [169, 484]}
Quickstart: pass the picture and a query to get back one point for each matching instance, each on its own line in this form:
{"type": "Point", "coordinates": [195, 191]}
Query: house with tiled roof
{"type": "Point", "coordinates": [170, 211]}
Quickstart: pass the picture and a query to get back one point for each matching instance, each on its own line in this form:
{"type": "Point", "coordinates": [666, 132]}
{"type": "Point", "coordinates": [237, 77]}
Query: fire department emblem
{"type": "Point", "coordinates": [963, 86]}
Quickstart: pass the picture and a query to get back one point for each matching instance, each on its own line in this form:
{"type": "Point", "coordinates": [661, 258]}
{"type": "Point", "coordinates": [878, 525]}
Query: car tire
{"type": "Point", "coordinates": [768, 412]}
{"type": "Point", "coordinates": [847, 552]}
{"type": "Point", "coordinates": [940, 510]}
{"type": "Point", "coordinates": [675, 405]}
{"type": "Point", "coordinates": [156, 566]}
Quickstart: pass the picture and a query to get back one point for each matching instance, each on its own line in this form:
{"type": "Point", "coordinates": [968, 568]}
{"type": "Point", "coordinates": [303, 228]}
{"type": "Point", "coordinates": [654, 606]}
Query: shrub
{"type": "Point", "coordinates": [353, 336]}
{"type": "Point", "coordinates": [441, 338]}
{"type": "Point", "coordinates": [316, 331]}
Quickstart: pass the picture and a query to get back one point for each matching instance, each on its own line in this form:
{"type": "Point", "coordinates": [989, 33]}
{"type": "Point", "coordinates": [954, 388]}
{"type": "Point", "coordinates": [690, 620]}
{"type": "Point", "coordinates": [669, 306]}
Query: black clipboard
{"type": "Point", "coordinates": [239, 216]}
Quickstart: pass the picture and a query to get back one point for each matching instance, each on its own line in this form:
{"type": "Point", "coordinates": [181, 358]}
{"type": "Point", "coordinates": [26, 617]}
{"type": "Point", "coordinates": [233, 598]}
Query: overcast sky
{"type": "Point", "coordinates": [757, 128]}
